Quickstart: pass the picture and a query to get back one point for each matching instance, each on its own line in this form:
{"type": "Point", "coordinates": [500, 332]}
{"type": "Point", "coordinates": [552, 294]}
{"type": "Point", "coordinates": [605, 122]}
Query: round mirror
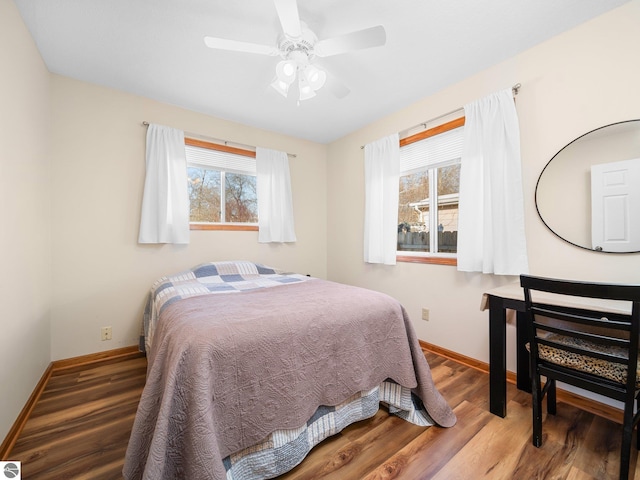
{"type": "Point", "coordinates": [589, 192]}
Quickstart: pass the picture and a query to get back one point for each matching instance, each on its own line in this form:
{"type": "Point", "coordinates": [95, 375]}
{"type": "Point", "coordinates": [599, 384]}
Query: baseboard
{"type": "Point", "coordinates": [54, 367]}
{"type": "Point", "coordinates": [18, 425]}
{"type": "Point", "coordinates": [587, 404]}
{"type": "Point", "coordinates": [110, 356]}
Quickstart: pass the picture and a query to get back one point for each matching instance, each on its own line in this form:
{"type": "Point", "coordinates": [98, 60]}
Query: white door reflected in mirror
{"type": "Point", "coordinates": [615, 201]}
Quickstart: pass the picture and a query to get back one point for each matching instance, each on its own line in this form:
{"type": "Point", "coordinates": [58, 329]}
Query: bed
{"type": "Point", "coordinates": [249, 367]}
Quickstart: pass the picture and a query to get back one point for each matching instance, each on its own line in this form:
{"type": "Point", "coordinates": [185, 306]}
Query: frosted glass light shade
{"type": "Point", "coordinates": [315, 76]}
{"type": "Point", "coordinates": [306, 91]}
{"type": "Point", "coordinates": [281, 87]}
{"type": "Point", "coordinates": [286, 71]}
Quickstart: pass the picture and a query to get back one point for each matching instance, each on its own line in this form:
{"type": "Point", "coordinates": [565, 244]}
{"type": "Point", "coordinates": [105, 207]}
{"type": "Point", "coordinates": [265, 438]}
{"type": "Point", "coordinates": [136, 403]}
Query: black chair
{"type": "Point", "coordinates": [592, 350]}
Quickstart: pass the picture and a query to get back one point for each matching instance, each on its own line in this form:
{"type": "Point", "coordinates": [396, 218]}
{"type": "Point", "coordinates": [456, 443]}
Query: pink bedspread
{"type": "Point", "coordinates": [228, 369]}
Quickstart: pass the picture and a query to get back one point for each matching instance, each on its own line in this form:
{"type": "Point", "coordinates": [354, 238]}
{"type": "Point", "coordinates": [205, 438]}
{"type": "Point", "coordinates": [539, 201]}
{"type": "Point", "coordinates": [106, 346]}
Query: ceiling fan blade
{"type": "Point", "coordinates": [289, 17]}
{"type": "Point", "coordinates": [236, 46]}
{"type": "Point", "coordinates": [358, 40]}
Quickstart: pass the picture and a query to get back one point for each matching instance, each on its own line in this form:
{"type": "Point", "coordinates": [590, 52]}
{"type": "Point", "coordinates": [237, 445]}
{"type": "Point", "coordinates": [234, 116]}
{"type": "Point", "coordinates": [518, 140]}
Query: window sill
{"type": "Point", "coordinates": [223, 226]}
{"type": "Point", "coordinates": [431, 260]}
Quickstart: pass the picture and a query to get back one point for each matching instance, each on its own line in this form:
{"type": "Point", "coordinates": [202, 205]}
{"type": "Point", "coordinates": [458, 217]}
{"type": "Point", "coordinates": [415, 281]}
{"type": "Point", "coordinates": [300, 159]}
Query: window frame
{"type": "Point", "coordinates": [431, 257]}
{"type": "Point", "coordinates": [227, 226]}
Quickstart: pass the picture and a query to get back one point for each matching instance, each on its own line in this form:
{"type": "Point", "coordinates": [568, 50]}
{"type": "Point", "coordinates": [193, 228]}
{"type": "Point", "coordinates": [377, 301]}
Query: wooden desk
{"type": "Point", "coordinates": [511, 297]}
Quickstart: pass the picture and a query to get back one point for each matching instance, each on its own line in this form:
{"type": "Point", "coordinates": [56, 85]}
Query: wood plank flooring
{"type": "Point", "coordinates": [80, 427]}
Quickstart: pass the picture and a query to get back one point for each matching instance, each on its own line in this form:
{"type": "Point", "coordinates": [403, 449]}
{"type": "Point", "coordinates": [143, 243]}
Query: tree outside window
{"type": "Point", "coordinates": [221, 186]}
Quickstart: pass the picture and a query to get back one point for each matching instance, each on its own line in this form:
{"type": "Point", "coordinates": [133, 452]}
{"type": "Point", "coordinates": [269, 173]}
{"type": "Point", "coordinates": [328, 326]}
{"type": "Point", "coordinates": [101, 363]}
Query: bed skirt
{"type": "Point", "coordinates": [285, 449]}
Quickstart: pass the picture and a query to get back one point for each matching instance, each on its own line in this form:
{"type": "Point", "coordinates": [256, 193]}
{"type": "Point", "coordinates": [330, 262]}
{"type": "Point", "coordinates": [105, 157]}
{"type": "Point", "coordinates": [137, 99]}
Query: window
{"type": "Point", "coordinates": [428, 194]}
{"type": "Point", "coordinates": [221, 186]}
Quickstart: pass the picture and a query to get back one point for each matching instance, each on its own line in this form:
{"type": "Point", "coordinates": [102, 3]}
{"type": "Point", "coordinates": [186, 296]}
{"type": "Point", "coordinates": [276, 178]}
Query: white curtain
{"type": "Point", "coordinates": [275, 207]}
{"type": "Point", "coordinates": [381, 177]}
{"type": "Point", "coordinates": [165, 203]}
{"type": "Point", "coordinates": [491, 235]}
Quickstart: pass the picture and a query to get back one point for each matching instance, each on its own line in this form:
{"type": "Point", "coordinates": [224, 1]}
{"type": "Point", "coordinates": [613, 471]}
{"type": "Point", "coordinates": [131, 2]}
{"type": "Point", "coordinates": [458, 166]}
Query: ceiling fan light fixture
{"type": "Point", "coordinates": [315, 77]}
{"type": "Point", "coordinates": [306, 90]}
{"type": "Point", "coordinates": [281, 87]}
{"type": "Point", "coordinates": [286, 71]}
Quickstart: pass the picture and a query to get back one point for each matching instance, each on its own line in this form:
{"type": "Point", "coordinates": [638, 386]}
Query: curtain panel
{"type": "Point", "coordinates": [275, 205]}
{"type": "Point", "coordinates": [381, 176]}
{"type": "Point", "coordinates": [165, 203]}
{"type": "Point", "coordinates": [491, 233]}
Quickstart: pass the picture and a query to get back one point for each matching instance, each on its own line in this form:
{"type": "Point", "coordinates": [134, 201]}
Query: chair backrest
{"type": "Point", "coordinates": [590, 348]}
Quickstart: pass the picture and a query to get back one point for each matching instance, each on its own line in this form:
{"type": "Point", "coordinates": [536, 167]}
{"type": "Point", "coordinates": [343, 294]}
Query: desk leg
{"type": "Point", "coordinates": [497, 357]}
{"type": "Point", "coordinates": [523, 377]}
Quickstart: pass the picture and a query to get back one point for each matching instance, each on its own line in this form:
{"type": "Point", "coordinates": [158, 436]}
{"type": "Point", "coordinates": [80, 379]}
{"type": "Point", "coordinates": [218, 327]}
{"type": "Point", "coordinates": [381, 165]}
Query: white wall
{"type": "Point", "coordinates": [571, 84]}
{"type": "Point", "coordinates": [25, 258]}
{"type": "Point", "coordinates": [101, 274]}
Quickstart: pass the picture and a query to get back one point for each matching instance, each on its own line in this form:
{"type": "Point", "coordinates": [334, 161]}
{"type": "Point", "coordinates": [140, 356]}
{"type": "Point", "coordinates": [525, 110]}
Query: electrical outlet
{"type": "Point", "coordinates": [105, 333]}
{"type": "Point", "coordinates": [425, 314]}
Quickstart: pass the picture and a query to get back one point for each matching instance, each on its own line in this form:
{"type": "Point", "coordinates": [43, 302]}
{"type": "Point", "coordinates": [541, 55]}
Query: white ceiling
{"type": "Point", "coordinates": [155, 48]}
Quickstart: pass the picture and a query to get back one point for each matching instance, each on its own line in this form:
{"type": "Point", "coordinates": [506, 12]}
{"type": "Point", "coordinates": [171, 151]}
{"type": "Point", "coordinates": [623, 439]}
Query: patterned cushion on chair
{"type": "Point", "coordinates": [584, 363]}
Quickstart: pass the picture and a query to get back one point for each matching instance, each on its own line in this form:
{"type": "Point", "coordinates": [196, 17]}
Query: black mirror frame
{"type": "Point", "coordinates": [542, 172]}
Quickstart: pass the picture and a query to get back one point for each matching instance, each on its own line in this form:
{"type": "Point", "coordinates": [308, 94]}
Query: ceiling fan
{"type": "Point", "coordinates": [298, 46]}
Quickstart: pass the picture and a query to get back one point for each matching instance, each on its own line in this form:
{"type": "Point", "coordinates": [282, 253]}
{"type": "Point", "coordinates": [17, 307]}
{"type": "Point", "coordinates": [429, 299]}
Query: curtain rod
{"type": "Point", "coordinates": [515, 90]}
{"type": "Point", "coordinates": [219, 140]}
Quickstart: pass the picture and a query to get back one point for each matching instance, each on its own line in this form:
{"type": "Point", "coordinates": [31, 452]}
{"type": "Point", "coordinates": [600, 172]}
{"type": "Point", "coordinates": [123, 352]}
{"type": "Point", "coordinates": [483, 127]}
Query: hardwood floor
{"type": "Point", "coordinates": [80, 427]}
